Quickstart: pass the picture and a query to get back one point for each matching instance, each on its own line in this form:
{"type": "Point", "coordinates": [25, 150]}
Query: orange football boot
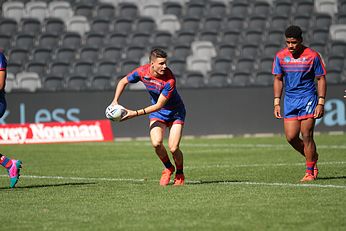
{"type": "Point", "coordinates": [166, 176]}
{"type": "Point", "coordinates": [179, 180]}
{"type": "Point", "coordinates": [307, 177]}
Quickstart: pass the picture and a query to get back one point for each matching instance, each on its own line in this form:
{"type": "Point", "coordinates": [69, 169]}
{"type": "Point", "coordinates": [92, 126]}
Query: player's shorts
{"type": "Point", "coordinates": [169, 116]}
{"type": "Point", "coordinates": [2, 105]}
{"type": "Point", "coordinates": [300, 108]}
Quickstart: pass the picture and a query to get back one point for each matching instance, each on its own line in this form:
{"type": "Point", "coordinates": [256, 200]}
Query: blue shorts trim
{"type": "Point", "coordinates": [169, 116]}
{"type": "Point", "coordinates": [300, 108]}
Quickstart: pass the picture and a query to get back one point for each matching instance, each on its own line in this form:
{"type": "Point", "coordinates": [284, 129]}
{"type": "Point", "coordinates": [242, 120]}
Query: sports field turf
{"type": "Point", "coordinates": [232, 184]}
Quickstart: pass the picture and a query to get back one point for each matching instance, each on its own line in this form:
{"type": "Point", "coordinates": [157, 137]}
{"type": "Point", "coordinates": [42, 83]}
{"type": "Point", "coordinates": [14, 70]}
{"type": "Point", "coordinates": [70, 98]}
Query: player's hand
{"type": "Point", "coordinates": [129, 114]}
{"type": "Point", "coordinates": [277, 112]}
{"type": "Point", "coordinates": [319, 111]}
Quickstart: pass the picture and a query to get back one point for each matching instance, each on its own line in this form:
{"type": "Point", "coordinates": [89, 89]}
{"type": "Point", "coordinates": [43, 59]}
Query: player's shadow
{"type": "Point", "coordinates": [48, 185]}
{"type": "Point", "coordinates": [331, 178]}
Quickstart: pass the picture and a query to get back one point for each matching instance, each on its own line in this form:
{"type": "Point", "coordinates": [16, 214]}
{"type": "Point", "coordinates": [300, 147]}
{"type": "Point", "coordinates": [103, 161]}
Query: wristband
{"type": "Point", "coordinates": [276, 101]}
{"type": "Point", "coordinates": [321, 100]}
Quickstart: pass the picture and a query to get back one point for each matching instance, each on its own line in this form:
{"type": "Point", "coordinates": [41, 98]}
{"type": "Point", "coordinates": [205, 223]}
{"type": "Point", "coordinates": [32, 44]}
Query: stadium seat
{"type": "Point", "coordinates": [252, 36]}
{"type": "Point", "coordinates": [78, 24]}
{"type": "Point", "coordinates": [194, 79]}
{"type": "Point", "coordinates": [71, 40]}
{"type": "Point", "coordinates": [337, 48]}
{"type": "Point", "coordinates": [212, 23]}
{"type": "Point", "coordinates": [319, 35]}
{"type": "Point", "coordinates": [106, 67]}
{"type": "Point", "coordinates": [60, 9]}
{"type": "Point", "coordinates": [101, 82]}
{"type": "Point", "coordinates": [265, 64]}
{"type": "Point", "coordinates": [128, 10]}
{"type": "Point", "coordinates": [275, 36]}
{"type": "Point", "coordinates": [249, 49]}
{"type": "Point", "coordinates": [36, 9]}
{"type": "Point", "coordinates": [335, 62]}
{"type": "Point", "coordinates": [278, 21]}
{"type": "Point", "coordinates": [230, 36]}
{"type": "Point", "coordinates": [221, 64]}
{"type": "Point", "coordinates": [53, 83]}
{"type": "Point", "coordinates": [338, 32]}
{"type": "Point", "coordinates": [333, 76]}
{"type": "Point", "coordinates": [88, 53]}
{"type": "Point", "coordinates": [37, 67]}
{"type": "Point", "coordinates": [303, 20]}
{"type": "Point", "coordinates": [151, 8]}
{"type": "Point", "coordinates": [19, 55]}
{"type": "Point", "coordinates": [77, 82]}
{"type": "Point", "coordinates": [181, 51]}
{"type": "Point", "coordinates": [262, 8]}
{"type": "Point", "coordinates": [14, 66]}
{"type": "Point", "coordinates": [283, 7]}
{"type": "Point", "coordinates": [198, 63]}
{"type": "Point", "coordinates": [54, 26]}
{"type": "Point", "coordinates": [185, 37]}
{"type": "Point", "coordinates": [177, 65]}
{"type": "Point", "coordinates": [122, 25]}
{"type": "Point", "coordinates": [8, 26]}
{"type": "Point", "coordinates": [235, 23]}
{"type": "Point", "coordinates": [41, 54]}
{"type": "Point", "coordinates": [326, 6]}
{"type": "Point", "coordinates": [319, 47]}
{"type": "Point", "coordinates": [304, 7]}
{"type": "Point", "coordinates": [59, 68]}
{"type": "Point", "coordinates": [23, 40]}
{"type": "Point", "coordinates": [117, 39]}
{"type": "Point", "coordinates": [271, 48]}
{"type": "Point", "coordinates": [28, 81]}
{"type": "Point", "coordinates": [195, 9]}
{"type": "Point", "coordinates": [162, 38]}
{"type": "Point", "coordinates": [240, 79]}
{"type": "Point", "coordinates": [322, 20]}
{"type": "Point", "coordinates": [66, 54]}
{"type": "Point", "coordinates": [191, 24]}
{"type": "Point", "coordinates": [112, 53]}
{"type": "Point", "coordinates": [11, 82]}
{"type": "Point", "coordinates": [142, 38]}
{"type": "Point", "coordinates": [218, 79]}
{"type": "Point", "coordinates": [257, 22]}
{"type": "Point", "coordinates": [244, 63]}
{"type": "Point", "coordinates": [168, 22]}
{"type": "Point", "coordinates": [105, 10]}
{"type": "Point", "coordinates": [145, 24]}
{"type": "Point", "coordinates": [263, 78]}
{"type": "Point", "coordinates": [14, 10]}
{"type": "Point", "coordinates": [100, 25]}
{"type": "Point", "coordinates": [82, 67]}
{"type": "Point", "coordinates": [203, 49]}
{"type": "Point", "coordinates": [239, 8]}
{"type": "Point", "coordinates": [48, 40]}
{"type": "Point", "coordinates": [5, 41]}
{"type": "Point", "coordinates": [128, 65]}
{"type": "Point", "coordinates": [134, 51]}
{"type": "Point", "coordinates": [83, 9]}
{"type": "Point", "coordinates": [94, 39]}
{"type": "Point", "coordinates": [340, 18]}
{"type": "Point", "coordinates": [217, 9]}
{"type": "Point", "coordinates": [226, 50]}
{"type": "Point", "coordinates": [30, 26]}
{"type": "Point", "coordinates": [174, 8]}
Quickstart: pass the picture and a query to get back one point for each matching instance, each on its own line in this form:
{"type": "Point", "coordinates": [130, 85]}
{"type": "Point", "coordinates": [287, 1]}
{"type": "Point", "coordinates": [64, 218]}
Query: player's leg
{"type": "Point", "coordinates": [157, 131]}
{"type": "Point", "coordinates": [307, 130]}
{"type": "Point", "coordinates": [13, 168]}
{"type": "Point", "coordinates": [175, 135]}
{"type": "Point", "coordinates": [292, 131]}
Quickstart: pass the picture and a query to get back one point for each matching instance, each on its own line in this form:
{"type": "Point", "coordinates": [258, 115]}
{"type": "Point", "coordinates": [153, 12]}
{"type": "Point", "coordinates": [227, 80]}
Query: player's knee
{"type": "Point", "coordinates": [157, 143]}
{"type": "Point", "coordinates": [291, 139]}
{"type": "Point", "coordinates": [173, 148]}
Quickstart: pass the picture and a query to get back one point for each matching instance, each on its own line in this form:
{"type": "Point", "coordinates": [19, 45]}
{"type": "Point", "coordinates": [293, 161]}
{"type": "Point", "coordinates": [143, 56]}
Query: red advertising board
{"type": "Point", "coordinates": [54, 132]}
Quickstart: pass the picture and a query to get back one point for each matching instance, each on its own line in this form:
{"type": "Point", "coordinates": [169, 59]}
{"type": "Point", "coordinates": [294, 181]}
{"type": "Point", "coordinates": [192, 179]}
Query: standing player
{"type": "Point", "coordinates": [13, 166]}
{"type": "Point", "coordinates": [298, 66]}
{"type": "Point", "coordinates": [167, 110]}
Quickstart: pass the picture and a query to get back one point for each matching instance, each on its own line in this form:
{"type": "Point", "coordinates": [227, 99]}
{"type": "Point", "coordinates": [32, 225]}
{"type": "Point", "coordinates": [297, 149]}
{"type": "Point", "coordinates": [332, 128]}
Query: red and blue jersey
{"type": "Point", "coordinates": [299, 73]}
{"type": "Point", "coordinates": [3, 62]}
{"type": "Point", "coordinates": [164, 85]}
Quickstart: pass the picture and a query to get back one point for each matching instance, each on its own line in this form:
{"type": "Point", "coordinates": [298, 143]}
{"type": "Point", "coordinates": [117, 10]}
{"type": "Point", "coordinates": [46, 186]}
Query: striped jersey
{"type": "Point", "coordinates": [3, 62]}
{"type": "Point", "coordinates": [165, 85]}
{"type": "Point", "coordinates": [299, 73]}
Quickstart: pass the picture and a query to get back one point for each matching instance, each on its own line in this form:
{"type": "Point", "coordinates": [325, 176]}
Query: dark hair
{"type": "Point", "coordinates": [157, 53]}
{"type": "Point", "coordinates": [293, 32]}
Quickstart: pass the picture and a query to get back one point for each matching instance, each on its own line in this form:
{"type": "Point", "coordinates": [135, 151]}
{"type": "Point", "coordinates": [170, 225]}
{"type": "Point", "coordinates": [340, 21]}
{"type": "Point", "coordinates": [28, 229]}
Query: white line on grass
{"type": "Point", "coordinates": [188, 181]}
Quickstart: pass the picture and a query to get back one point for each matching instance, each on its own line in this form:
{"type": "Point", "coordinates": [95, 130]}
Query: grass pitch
{"type": "Point", "coordinates": [232, 184]}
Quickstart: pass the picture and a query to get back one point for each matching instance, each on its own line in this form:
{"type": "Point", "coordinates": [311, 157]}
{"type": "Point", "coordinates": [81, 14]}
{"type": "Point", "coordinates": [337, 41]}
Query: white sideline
{"type": "Point", "coordinates": [188, 181]}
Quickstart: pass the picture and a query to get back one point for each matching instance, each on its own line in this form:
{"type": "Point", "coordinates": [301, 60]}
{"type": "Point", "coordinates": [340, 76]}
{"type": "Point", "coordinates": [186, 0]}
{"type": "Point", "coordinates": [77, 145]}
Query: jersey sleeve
{"type": "Point", "coordinates": [319, 67]}
{"type": "Point", "coordinates": [3, 62]}
{"type": "Point", "coordinates": [134, 76]}
{"type": "Point", "coordinates": [168, 88]}
{"type": "Point", "coordinates": [276, 70]}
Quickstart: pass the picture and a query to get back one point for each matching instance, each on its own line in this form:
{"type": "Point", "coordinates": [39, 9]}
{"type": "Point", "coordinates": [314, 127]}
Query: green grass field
{"type": "Point", "coordinates": [232, 184]}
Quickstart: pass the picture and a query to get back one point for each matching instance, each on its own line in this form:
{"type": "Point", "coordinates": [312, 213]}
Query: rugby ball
{"type": "Point", "coordinates": [115, 112]}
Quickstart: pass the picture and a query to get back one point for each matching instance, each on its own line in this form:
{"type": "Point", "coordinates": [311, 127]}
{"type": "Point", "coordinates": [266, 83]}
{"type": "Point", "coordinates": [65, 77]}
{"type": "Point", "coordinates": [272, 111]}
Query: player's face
{"type": "Point", "coordinates": [293, 45]}
{"type": "Point", "coordinates": [159, 66]}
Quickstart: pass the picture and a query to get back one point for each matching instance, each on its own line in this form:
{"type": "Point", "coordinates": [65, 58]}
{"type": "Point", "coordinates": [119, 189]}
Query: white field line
{"type": "Point", "coordinates": [188, 182]}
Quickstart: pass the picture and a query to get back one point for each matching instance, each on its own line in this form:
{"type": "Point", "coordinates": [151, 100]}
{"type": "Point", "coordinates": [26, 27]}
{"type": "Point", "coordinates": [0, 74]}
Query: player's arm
{"type": "Point", "coordinates": [321, 91]}
{"type": "Point", "coordinates": [278, 86]}
{"type": "Point", "coordinates": [2, 79]}
{"type": "Point", "coordinates": [119, 89]}
{"type": "Point", "coordinates": [162, 100]}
